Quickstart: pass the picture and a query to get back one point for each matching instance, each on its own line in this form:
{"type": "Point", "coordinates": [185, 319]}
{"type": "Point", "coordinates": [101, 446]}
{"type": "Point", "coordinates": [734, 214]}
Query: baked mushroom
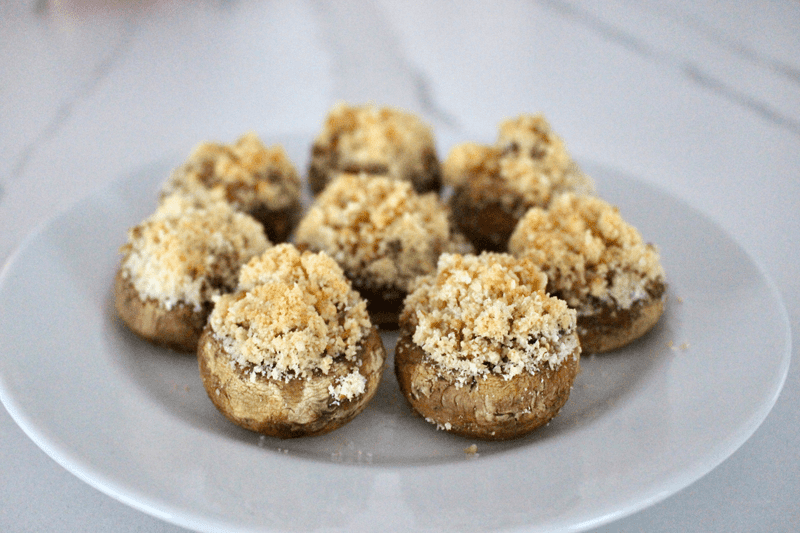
{"type": "Point", "coordinates": [258, 180]}
{"type": "Point", "coordinates": [493, 186]}
{"type": "Point", "coordinates": [484, 352]}
{"type": "Point", "coordinates": [292, 352]}
{"type": "Point", "coordinates": [382, 233]}
{"type": "Point", "coordinates": [176, 262]}
{"type": "Point", "coordinates": [598, 264]}
{"type": "Point", "coordinates": [379, 141]}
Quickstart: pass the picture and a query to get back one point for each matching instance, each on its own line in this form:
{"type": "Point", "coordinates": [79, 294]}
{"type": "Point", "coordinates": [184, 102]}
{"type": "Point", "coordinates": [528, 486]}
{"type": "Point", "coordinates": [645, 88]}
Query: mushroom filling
{"type": "Point", "coordinates": [293, 316]}
{"type": "Point", "coordinates": [489, 314]}
{"type": "Point", "coordinates": [589, 253]}
{"type": "Point", "coordinates": [188, 254]}
{"type": "Point", "coordinates": [246, 173]}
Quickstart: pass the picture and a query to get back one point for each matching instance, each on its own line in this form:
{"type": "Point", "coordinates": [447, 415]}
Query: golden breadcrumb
{"type": "Point", "coordinates": [379, 140]}
{"type": "Point", "coordinates": [588, 250]}
{"type": "Point", "coordinates": [489, 313]}
{"type": "Point", "coordinates": [294, 313]}
{"type": "Point", "coordinates": [247, 174]}
{"type": "Point", "coordinates": [379, 230]}
{"type": "Point", "coordinates": [184, 253]}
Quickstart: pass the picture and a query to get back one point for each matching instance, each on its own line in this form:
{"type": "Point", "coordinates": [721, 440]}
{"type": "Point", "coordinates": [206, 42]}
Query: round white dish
{"type": "Point", "coordinates": [133, 420]}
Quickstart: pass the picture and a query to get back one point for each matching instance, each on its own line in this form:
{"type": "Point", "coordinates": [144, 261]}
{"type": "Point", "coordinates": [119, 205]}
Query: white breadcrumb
{"type": "Point", "coordinates": [247, 174]}
{"type": "Point", "coordinates": [348, 387]}
{"type": "Point", "coordinates": [294, 313]}
{"type": "Point", "coordinates": [188, 254]}
{"type": "Point", "coordinates": [489, 314]}
{"type": "Point", "coordinates": [587, 250]}
{"type": "Point", "coordinates": [382, 232]}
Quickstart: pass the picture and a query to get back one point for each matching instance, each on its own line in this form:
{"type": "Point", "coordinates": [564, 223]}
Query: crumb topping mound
{"type": "Point", "coordinates": [489, 314]}
{"type": "Point", "coordinates": [378, 140]}
{"type": "Point", "coordinates": [293, 315]}
{"type": "Point", "coordinates": [468, 161]}
{"type": "Point", "coordinates": [530, 136]}
{"type": "Point", "coordinates": [588, 251]}
{"type": "Point", "coordinates": [527, 166]}
{"type": "Point", "coordinates": [187, 254]}
{"type": "Point", "coordinates": [379, 230]}
{"type": "Point", "coordinates": [246, 174]}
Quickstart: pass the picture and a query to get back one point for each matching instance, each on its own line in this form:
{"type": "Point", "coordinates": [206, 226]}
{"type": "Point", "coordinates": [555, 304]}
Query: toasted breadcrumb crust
{"type": "Point", "coordinates": [379, 230]}
{"type": "Point", "coordinates": [489, 314]}
{"type": "Point", "coordinates": [247, 174]}
{"type": "Point", "coordinates": [378, 140]}
{"type": "Point", "coordinates": [293, 315]}
{"type": "Point", "coordinates": [527, 166]}
{"type": "Point", "coordinates": [588, 252]}
{"type": "Point", "coordinates": [187, 254]}
{"type": "Point", "coordinates": [468, 161]}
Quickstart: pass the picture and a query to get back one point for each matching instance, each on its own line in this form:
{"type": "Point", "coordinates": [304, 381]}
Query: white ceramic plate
{"type": "Point", "coordinates": [134, 421]}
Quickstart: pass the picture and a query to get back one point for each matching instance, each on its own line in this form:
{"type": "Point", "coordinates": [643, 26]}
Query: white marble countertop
{"type": "Point", "coordinates": [701, 99]}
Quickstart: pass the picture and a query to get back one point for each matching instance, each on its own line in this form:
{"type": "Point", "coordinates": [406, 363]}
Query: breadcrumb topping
{"type": "Point", "coordinates": [382, 232]}
{"type": "Point", "coordinates": [470, 160]}
{"type": "Point", "coordinates": [588, 251]}
{"type": "Point", "coordinates": [386, 141]}
{"type": "Point", "coordinates": [348, 387]}
{"type": "Point", "coordinates": [527, 166]}
{"type": "Point", "coordinates": [246, 173]}
{"type": "Point", "coordinates": [293, 315]}
{"type": "Point", "coordinates": [186, 254]}
{"type": "Point", "coordinates": [489, 314]}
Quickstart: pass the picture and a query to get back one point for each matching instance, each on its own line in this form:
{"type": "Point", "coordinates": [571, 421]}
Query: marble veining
{"type": "Point", "coordinates": [105, 64]}
{"type": "Point", "coordinates": [686, 67]}
{"type": "Point", "coordinates": [735, 46]}
{"type": "Point", "coordinates": [767, 112]}
{"type": "Point", "coordinates": [370, 50]}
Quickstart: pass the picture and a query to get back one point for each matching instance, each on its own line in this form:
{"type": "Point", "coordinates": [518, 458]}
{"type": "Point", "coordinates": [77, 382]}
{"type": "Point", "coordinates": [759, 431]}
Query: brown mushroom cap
{"type": "Point", "coordinates": [178, 328]}
{"type": "Point", "coordinates": [484, 352]}
{"type": "Point", "coordinates": [292, 352]}
{"type": "Point", "coordinates": [176, 262]}
{"type": "Point", "coordinates": [612, 327]}
{"type": "Point", "coordinates": [288, 408]}
{"type": "Point", "coordinates": [487, 221]}
{"type": "Point", "coordinates": [490, 407]}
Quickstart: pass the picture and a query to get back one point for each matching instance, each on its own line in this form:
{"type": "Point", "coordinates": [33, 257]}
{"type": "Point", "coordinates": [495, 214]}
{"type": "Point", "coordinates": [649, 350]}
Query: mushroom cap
{"type": "Point", "coordinates": [610, 327]}
{"type": "Point", "coordinates": [292, 407]}
{"type": "Point", "coordinates": [491, 407]}
{"type": "Point", "coordinates": [178, 328]}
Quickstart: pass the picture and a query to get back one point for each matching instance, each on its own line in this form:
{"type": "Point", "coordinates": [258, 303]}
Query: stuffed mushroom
{"type": "Point", "coordinates": [599, 264]}
{"type": "Point", "coordinates": [383, 234]}
{"type": "Point", "coordinates": [378, 141]}
{"type": "Point", "coordinates": [292, 352]}
{"type": "Point", "coordinates": [176, 262]}
{"type": "Point", "coordinates": [256, 179]}
{"type": "Point", "coordinates": [484, 352]}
